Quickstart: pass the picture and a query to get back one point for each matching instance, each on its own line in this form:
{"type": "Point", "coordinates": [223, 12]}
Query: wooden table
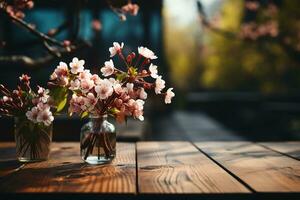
{"type": "Point", "coordinates": [162, 170]}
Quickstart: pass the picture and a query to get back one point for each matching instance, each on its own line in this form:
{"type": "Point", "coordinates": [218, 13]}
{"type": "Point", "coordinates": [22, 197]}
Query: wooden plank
{"type": "Point", "coordinates": [178, 167]}
{"type": "Point", "coordinates": [65, 172]}
{"type": "Point", "coordinates": [262, 169]}
{"type": "Point", "coordinates": [8, 163]}
{"type": "Point", "coordinates": [289, 148]}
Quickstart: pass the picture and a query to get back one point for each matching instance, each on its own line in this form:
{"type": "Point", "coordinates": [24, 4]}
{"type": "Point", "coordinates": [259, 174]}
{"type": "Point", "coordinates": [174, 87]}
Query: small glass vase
{"type": "Point", "coordinates": [98, 141]}
{"type": "Point", "coordinates": [33, 140]}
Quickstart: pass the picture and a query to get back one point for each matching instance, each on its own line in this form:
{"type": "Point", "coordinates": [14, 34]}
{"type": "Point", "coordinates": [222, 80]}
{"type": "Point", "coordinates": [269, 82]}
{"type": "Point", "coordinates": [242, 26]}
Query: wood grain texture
{"type": "Point", "coordinates": [178, 167]}
{"type": "Point", "coordinates": [66, 172]}
{"type": "Point", "coordinates": [262, 169]}
{"type": "Point", "coordinates": [290, 148]}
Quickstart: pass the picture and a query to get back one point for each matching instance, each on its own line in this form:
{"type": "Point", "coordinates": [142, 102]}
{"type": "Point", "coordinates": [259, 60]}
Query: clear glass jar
{"type": "Point", "coordinates": [32, 140]}
{"type": "Point", "coordinates": [98, 141]}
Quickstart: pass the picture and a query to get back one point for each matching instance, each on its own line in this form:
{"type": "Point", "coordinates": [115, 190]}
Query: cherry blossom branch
{"type": "Point", "coordinates": [55, 31]}
{"type": "Point", "coordinates": [129, 8]}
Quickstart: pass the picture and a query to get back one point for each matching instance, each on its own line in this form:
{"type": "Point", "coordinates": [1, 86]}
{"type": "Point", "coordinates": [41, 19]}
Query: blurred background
{"type": "Point", "coordinates": [234, 64]}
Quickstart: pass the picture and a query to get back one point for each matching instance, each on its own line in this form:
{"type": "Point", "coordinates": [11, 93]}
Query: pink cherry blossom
{"type": "Point", "coordinates": [116, 48]}
{"type": "Point", "coordinates": [131, 9]}
{"type": "Point", "coordinates": [137, 106]}
{"type": "Point", "coordinates": [86, 85]}
{"type": "Point", "coordinates": [104, 89]}
{"type": "Point", "coordinates": [142, 94]}
{"type": "Point", "coordinates": [169, 95]}
{"type": "Point", "coordinates": [6, 99]}
{"type": "Point", "coordinates": [77, 104]}
{"type": "Point", "coordinates": [42, 106]}
{"type": "Point", "coordinates": [53, 76]}
{"type": "Point", "coordinates": [24, 78]}
{"type": "Point", "coordinates": [60, 71]}
{"type": "Point", "coordinates": [118, 88]}
{"type": "Point", "coordinates": [96, 78]}
{"type": "Point", "coordinates": [77, 66]}
{"type": "Point", "coordinates": [32, 114]}
{"type": "Point", "coordinates": [45, 116]}
{"type": "Point", "coordinates": [74, 85]}
{"type": "Point", "coordinates": [159, 85]}
{"type": "Point", "coordinates": [147, 53]}
{"type": "Point", "coordinates": [108, 68]}
{"type": "Point", "coordinates": [86, 74]}
{"type": "Point", "coordinates": [90, 101]}
{"type": "Point", "coordinates": [153, 70]}
{"type": "Point", "coordinates": [63, 81]}
{"type": "Point", "coordinates": [43, 94]}
{"type": "Point", "coordinates": [122, 94]}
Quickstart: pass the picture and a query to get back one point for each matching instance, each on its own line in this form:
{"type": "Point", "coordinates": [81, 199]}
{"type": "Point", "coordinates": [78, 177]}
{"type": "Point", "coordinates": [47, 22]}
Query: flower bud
{"type": "Point", "coordinates": [67, 43]}
{"type": "Point", "coordinates": [129, 58]}
{"type": "Point", "coordinates": [144, 72]}
{"type": "Point", "coordinates": [132, 55]}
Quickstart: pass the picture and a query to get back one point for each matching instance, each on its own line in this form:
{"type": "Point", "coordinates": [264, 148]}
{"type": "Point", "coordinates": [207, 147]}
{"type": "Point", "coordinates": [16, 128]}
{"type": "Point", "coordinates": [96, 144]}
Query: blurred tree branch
{"type": "Point", "coordinates": [207, 24]}
{"type": "Point", "coordinates": [35, 63]}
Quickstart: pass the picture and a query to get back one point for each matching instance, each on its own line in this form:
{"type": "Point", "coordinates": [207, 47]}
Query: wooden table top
{"type": "Point", "coordinates": [145, 168]}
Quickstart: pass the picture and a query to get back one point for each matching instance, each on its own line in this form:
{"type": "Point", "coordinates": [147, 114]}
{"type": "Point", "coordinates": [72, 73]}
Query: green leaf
{"type": "Point", "coordinates": [114, 111]}
{"type": "Point", "coordinates": [84, 114]}
{"type": "Point", "coordinates": [121, 77]}
{"type": "Point", "coordinates": [61, 105]}
{"type": "Point", "coordinates": [60, 96]}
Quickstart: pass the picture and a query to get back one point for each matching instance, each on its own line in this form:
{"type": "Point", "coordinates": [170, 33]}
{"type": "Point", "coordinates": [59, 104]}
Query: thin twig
{"type": "Point", "coordinates": [34, 31]}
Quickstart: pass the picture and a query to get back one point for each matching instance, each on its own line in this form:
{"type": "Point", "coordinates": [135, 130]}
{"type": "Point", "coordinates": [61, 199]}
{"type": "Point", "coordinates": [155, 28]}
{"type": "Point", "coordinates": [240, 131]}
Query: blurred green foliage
{"type": "Point", "coordinates": [201, 58]}
{"type": "Point", "coordinates": [267, 64]}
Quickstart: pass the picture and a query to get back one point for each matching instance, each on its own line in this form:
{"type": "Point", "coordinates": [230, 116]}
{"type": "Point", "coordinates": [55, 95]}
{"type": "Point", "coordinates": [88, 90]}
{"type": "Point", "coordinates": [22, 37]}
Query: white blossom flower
{"type": "Point", "coordinates": [6, 99]}
{"type": "Point", "coordinates": [32, 114]}
{"type": "Point", "coordinates": [159, 85]}
{"type": "Point", "coordinates": [115, 48]}
{"type": "Point", "coordinates": [143, 94]}
{"type": "Point", "coordinates": [153, 70]}
{"type": "Point", "coordinates": [45, 116]}
{"type": "Point", "coordinates": [108, 68]}
{"type": "Point", "coordinates": [129, 87]}
{"type": "Point", "coordinates": [104, 89]}
{"type": "Point", "coordinates": [77, 65]}
{"type": "Point", "coordinates": [74, 85]}
{"type": "Point", "coordinates": [169, 95]}
{"type": "Point", "coordinates": [147, 53]}
{"type": "Point", "coordinates": [140, 104]}
{"type": "Point", "coordinates": [118, 88]}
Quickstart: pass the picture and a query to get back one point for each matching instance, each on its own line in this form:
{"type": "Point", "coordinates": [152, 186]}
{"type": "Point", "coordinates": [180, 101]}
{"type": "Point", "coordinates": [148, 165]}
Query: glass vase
{"type": "Point", "coordinates": [33, 140]}
{"type": "Point", "coordinates": [98, 141]}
